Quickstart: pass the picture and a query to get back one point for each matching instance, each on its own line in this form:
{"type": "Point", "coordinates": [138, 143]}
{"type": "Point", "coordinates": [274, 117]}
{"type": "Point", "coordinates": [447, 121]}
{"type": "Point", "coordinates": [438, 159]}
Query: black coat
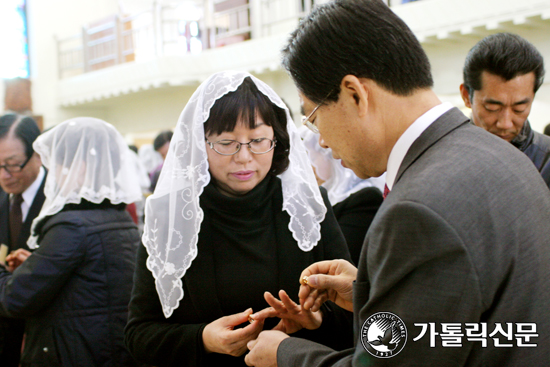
{"type": "Point", "coordinates": [355, 214]}
{"type": "Point", "coordinates": [537, 147]}
{"type": "Point", "coordinates": [238, 237]}
{"type": "Point", "coordinates": [74, 289]}
{"type": "Point", "coordinates": [11, 330]}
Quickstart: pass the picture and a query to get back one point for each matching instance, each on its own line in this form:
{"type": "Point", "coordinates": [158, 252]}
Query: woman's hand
{"type": "Point", "coordinates": [327, 280]}
{"type": "Point", "coordinates": [293, 316]}
{"type": "Point", "coordinates": [220, 337]}
{"type": "Point", "coordinates": [16, 258]}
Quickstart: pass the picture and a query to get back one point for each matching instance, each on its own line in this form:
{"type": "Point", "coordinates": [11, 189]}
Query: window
{"type": "Point", "coordinates": [13, 39]}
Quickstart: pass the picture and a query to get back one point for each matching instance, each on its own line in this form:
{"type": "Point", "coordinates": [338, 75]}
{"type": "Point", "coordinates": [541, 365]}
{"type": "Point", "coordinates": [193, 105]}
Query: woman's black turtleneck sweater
{"type": "Point", "coordinates": [245, 248]}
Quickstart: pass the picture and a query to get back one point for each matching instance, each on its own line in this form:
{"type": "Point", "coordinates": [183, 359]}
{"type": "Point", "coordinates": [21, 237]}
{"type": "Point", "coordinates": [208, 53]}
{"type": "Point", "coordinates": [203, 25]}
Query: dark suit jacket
{"type": "Point", "coordinates": [462, 238]}
{"type": "Point", "coordinates": [11, 330]}
{"type": "Point", "coordinates": [26, 228]}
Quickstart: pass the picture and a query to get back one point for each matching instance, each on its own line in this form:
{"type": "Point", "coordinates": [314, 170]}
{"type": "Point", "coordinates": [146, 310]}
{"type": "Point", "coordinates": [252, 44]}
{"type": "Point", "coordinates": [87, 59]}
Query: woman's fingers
{"type": "Point", "coordinates": [289, 304]}
{"type": "Point", "coordinates": [274, 302]}
{"type": "Point", "coordinates": [263, 314]}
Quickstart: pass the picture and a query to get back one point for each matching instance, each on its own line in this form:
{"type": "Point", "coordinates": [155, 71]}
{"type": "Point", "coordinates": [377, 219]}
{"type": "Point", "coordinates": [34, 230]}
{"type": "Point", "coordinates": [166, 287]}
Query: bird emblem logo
{"type": "Point", "coordinates": [386, 338]}
{"type": "Point", "coordinates": [384, 335]}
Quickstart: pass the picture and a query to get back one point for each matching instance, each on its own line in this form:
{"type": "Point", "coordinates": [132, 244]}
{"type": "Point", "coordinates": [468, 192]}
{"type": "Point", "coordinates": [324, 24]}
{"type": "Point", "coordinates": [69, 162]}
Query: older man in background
{"type": "Point", "coordinates": [502, 73]}
{"type": "Point", "coordinates": [22, 180]}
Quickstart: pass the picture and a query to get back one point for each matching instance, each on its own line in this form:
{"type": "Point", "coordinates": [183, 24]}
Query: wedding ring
{"type": "Point", "coordinates": [250, 319]}
{"type": "Point", "coordinates": [305, 280]}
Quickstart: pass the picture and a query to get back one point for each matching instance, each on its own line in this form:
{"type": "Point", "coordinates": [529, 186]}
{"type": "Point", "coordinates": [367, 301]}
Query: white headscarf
{"type": "Point", "coordinates": [86, 159]}
{"type": "Point", "coordinates": [150, 158]}
{"type": "Point", "coordinates": [340, 182]}
{"type": "Point", "coordinates": [172, 214]}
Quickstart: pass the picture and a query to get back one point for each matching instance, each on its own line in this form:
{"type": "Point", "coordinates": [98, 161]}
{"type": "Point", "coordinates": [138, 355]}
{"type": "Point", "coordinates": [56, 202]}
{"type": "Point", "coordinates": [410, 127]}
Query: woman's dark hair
{"type": "Point", "coordinates": [503, 54]}
{"type": "Point", "coordinates": [243, 104]}
{"type": "Point", "coordinates": [364, 38]}
{"type": "Point", "coordinates": [162, 138]}
{"type": "Point", "coordinates": [24, 129]}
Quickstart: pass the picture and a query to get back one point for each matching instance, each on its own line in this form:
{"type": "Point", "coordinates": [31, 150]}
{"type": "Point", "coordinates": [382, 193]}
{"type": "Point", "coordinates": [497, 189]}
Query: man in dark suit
{"type": "Point", "coordinates": [22, 180]}
{"type": "Point", "coordinates": [502, 73]}
{"type": "Point", "coordinates": [455, 268]}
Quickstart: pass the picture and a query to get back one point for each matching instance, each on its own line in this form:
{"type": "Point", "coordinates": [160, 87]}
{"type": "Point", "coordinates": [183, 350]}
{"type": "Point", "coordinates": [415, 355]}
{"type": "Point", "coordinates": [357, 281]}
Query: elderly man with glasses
{"type": "Point", "coordinates": [22, 179]}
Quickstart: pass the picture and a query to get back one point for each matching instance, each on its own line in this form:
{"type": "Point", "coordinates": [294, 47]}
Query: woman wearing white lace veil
{"type": "Point", "coordinates": [73, 290]}
{"type": "Point", "coordinates": [236, 212]}
{"type": "Point", "coordinates": [355, 201]}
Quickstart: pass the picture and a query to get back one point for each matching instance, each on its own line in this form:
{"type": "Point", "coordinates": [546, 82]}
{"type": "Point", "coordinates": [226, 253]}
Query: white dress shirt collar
{"type": "Point", "coordinates": [29, 194]}
{"type": "Point", "coordinates": [412, 133]}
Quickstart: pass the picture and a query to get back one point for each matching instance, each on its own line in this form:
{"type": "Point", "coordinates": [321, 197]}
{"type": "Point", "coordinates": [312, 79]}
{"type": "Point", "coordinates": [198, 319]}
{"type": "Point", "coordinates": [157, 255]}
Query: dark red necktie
{"type": "Point", "coordinates": [386, 191]}
{"type": "Point", "coordinates": [16, 219]}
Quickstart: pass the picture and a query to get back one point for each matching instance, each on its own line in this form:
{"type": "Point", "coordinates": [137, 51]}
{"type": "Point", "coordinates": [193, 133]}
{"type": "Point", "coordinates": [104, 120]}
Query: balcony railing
{"type": "Point", "coordinates": [177, 29]}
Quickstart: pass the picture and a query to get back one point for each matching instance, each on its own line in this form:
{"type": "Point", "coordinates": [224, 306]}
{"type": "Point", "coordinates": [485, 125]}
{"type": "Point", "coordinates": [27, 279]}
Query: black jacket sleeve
{"type": "Point", "coordinates": [36, 282]}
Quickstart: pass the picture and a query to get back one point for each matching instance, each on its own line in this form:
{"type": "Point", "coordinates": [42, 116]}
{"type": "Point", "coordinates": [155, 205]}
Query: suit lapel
{"type": "Point", "coordinates": [449, 121]}
{"type": "Point", "coordinates": [4, 218]}
{"type": "Point", "coordinates": [34, 210]}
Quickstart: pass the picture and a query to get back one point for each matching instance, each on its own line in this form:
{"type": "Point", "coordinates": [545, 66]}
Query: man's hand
{"type": "Point", "coordinates": [327, 280]}
{"type": "Point", "coordinates": [293, 316]}
{"type": "Point", "coordinates": [220, 337]}
{"type": "Point", "coordinates": [263, 351]}
{"type": "Point", "coordinates": [16, 258]}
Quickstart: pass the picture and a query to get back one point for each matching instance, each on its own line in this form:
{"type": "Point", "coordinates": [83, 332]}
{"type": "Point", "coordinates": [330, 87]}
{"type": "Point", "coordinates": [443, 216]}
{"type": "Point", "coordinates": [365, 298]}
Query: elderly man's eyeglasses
{"type": "Point", "coordinates": [16, 168]}
{"type": "Point", "coordinates": [230, 147]}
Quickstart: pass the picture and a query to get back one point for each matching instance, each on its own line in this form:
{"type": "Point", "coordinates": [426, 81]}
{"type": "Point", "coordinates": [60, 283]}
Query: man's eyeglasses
{"type": "Point", "coordinates": [305, 119]}
{"type": "Point", "coordinates": [309, 124]}
{"type": "Point", "coordinates": [15, 168]}
{"type": "Point", "coordinates": [230, 147]}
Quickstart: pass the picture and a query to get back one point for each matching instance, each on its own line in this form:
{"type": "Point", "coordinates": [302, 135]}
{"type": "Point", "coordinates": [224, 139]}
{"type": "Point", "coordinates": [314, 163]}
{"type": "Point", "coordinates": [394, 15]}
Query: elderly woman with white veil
{"type": "Point", "coordinates": [235, 217]}
{"type": "Point", "coordinates": [73, 290]}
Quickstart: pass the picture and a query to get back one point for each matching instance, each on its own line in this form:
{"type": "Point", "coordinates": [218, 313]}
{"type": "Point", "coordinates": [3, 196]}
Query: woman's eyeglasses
{"type": "Point", "coordinates": [230, 147]}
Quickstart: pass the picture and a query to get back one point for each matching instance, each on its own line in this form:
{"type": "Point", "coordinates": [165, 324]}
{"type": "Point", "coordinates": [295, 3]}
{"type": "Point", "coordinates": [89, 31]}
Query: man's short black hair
{"type": "Point", "coordinates": [244, 103]}
{"type": "Point", "coordinates": [24, 128]}
{"type": "Point", "coordinates": [162, 138]}
{"type": "Point", "coordinates": [503, 54]}
{"type": "Point", "coordinates": [364, 38]}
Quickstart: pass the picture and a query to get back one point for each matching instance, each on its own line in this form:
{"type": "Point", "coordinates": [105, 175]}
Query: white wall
{"type": "Point", "coordinates": [159, 108]}
{"type": "Point", "coordinates": [47, 19]}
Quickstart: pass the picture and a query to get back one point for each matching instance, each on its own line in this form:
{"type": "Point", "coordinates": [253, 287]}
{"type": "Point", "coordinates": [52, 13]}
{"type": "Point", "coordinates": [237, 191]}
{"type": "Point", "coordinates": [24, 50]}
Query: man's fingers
{"type": "Point", "coordinates": [251, 344]}
{"type": "Point", "coordinates": [315, 299]}
{"type": "Point", "coordinates": [303, 293]}
{"type": "Point", "coordinates": [321, 267]}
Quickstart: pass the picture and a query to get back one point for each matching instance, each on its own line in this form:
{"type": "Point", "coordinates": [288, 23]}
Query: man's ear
{"type": "Point", "coordinates": [357, 91]}
{"type": "Point", "coordinates": [465, 95]}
